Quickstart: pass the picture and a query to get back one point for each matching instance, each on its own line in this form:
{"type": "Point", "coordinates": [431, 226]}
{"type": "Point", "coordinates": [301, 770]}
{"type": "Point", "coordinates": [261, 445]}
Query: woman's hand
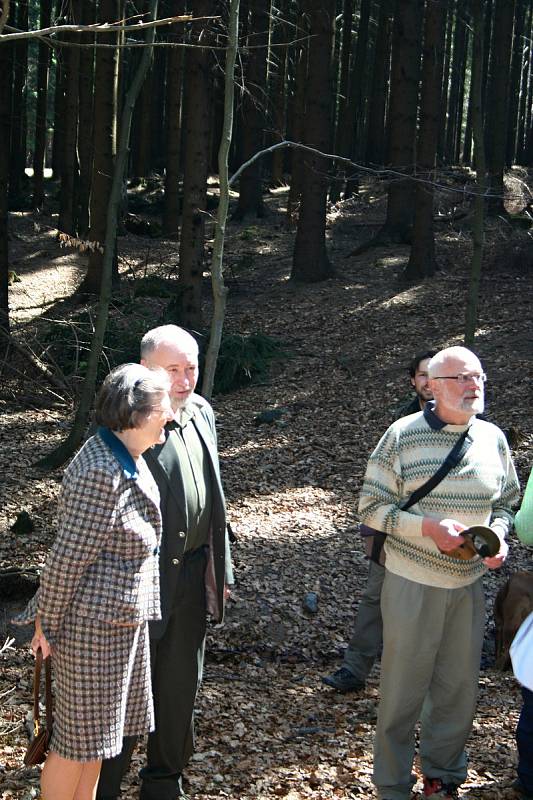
{"type": "Point", "coordinates": [39, 640]}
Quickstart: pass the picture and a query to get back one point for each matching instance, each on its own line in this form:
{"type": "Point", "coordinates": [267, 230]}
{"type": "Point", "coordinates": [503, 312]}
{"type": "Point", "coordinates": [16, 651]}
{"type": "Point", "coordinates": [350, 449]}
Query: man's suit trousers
{"type": "Point", "coordinates": [177, 664]}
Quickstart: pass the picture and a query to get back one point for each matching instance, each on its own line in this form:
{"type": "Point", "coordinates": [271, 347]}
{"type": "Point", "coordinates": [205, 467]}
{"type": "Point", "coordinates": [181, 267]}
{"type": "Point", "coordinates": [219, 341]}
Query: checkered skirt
{"type": "Point", "coordinates": [102, 688]}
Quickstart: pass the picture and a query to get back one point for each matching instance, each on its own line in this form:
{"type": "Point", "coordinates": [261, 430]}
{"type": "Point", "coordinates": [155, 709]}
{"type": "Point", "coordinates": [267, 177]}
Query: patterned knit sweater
{"type": "Point", "coordinates": [480, 490]}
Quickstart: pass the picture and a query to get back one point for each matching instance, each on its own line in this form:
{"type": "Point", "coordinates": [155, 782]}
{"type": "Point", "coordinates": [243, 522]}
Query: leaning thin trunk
{"type": "Point", "coordinates": [58, 457]}
{"type": "Point", "coordinates": [217, 278]}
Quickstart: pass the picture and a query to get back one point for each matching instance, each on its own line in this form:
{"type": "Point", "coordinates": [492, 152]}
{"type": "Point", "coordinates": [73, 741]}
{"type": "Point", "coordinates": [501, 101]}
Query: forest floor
{"type": "Point", "coordinates": [266, 726]}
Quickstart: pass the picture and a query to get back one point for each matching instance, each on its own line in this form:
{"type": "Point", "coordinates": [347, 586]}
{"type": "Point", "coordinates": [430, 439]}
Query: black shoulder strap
{"type": "Point", "coordinates": [452, 459]}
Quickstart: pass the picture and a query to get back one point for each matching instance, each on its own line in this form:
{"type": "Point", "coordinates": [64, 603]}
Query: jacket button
{"type": "Point", "coordinates": [175, 561]}
{"type": "Point", "coordinates": [181, 534]}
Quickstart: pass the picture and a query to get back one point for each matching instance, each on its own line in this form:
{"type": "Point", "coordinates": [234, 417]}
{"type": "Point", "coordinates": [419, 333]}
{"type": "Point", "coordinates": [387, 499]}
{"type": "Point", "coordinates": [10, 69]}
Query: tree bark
{"type": "Point", "coordinates": [20, 94]}
{"type": "Point", "coordinates": [253, 110]}
{"type": "Point", "coordinates": [298, 113]}
{"type": "Point", "coordinates": [310, 260]}
{"type": "Point", "coordinates": [69, 170]}
{"type": "Point", "coordinates": [515, 81]}
{"type": "Point", "coordinates": [197, 104]}
{"type": "Point", "coordinates": [39, 150]}
{"type": "Point", "coordinates": [277, 84]}
{"type": "Point", "coordinates": [498, 99]}
{"type": "Point", "coordinates": [446, 79]}
{"type": "Point", "coordinates": [105, 111]}
{"type": "Point", "coordinates": [455, 110]}
{"type": "Point", "coordinates": [174, 86]}
{"type": "Point", "coordinates": [86, 119]}
{"type": "Point", "coordinates": [403, 112]}
{"type": "Point", "coordinates": [422, 259]}
{"type": "Point", "coordinates": [479, 156]}
{"type": "Point", "coordinates": [6, 81]}
{"type": "Point", "coordinates": [356, 99]}
{"type": "Point", "coordinates": [525, 75]}
{"type": "Point", "coordinates": [377, 113]}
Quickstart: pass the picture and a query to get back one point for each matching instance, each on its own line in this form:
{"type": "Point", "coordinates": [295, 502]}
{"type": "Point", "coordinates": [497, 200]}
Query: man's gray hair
{"type": "Point", "coordinates": [167, 334]}
{"type": "Point", "coordinates": [128, 395]}
{"type": "Point", "coordinates": [457, 351]}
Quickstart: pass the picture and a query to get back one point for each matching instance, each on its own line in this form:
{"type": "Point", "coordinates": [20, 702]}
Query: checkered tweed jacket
{"type": "Point", "coordinates": [103, 563]}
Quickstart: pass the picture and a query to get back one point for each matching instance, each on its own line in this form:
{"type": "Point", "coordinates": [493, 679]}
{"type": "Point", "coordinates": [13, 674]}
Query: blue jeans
{"type": "Point", "coordinates": [524, 741]}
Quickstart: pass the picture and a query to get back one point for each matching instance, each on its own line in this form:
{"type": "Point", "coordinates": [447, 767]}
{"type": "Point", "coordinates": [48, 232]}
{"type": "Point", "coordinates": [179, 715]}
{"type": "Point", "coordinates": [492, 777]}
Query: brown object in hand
{"type": "Point", "coordinates": [38, 746]}
{"type": "Point", "coordinates": [465, 551]}
{"type": "Point", "coordinates": [479, 540]}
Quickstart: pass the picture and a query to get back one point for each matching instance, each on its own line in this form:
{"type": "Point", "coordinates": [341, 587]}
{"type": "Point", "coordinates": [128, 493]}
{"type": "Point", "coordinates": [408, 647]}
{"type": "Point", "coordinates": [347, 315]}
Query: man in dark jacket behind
{"type": "Point", "coordinates": [195, 568]}
{"type": "Point", "coordinates": [367, 638]}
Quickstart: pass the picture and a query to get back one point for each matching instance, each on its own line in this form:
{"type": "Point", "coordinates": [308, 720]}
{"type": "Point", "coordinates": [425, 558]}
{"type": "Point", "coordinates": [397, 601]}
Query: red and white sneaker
{"type": "Point", "coordinates": [434, 787]}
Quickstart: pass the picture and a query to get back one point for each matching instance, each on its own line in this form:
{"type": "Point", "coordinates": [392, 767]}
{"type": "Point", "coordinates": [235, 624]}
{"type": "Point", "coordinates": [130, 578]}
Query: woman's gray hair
{"type": "Point", "coordinates": [128, 395]}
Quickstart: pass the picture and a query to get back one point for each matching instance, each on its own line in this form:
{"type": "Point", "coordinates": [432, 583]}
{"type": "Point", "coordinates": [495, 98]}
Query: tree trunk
{"type": "Point", "coordinates": [69, 170]}
{"type": "Point", "coordinates": [277, 85]}
{"type": "Point", "coordinates": [377, 113]}
{"type": "Point", "coordinates": [422, 260]}
{"type": "Point", "coordinates": [6, 80]}
{"type": "Point", "coordinates": [217, 277]}
{"type": "Point", "coordinates": [343, 128]}
{"type": "Point", "coordinates": [20, 94]}
{"type": "Point", "coordinates": [39, 150]}
{"type": "Point", "coordinates": [356, 100]}
{"type": "Point", "coordinates": [405, 71]}
{"type": "Point", "coordinates": [515, 81]}
{"type": "Point", "coordinates": [446, 80]}
{"type": "Point", "coordinates": [254, 111]}
{"type": "Point", "coordinates": [197, 117]}
{"type": "Point", "coordinates": [298, 114]}
{"type": "Point", "coordinates": [105, 111]}
{"type": "Point", "coordinates": [479, 156]}
{"type": "Point", "coordinates": [527, 59]}
{"type": "Point", "coordinates": [498, 99]}
{"type": "Point", "coordinates": [86, 119]}
{"type": "Point", "coordinates": [454, 117]}
{"type": "Point", "coordinates": [75, 437]}
{"type": "Point", "coordinates": [528, 144]}
{"type": "Point", "coordinates": [59, 112]}
{"type": "Point", "coordinates": [174, 86]}
{"type": "Point", "coordinates": [310, 260]}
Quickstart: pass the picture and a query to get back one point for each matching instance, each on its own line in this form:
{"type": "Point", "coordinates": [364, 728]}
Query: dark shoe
{"type": "Point", "coordinates": [434, 787]}
{"type": "Point", "coordinates": [343, 681]}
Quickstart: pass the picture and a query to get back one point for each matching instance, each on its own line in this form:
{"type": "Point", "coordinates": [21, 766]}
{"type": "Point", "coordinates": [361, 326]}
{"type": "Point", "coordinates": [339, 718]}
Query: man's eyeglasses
{"type": "Point", "coordinates": [463, 377]}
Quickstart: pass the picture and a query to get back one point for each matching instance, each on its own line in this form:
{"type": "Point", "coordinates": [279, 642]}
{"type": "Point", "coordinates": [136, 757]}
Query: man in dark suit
{"type": "Point", "coordinates": [195, 568]}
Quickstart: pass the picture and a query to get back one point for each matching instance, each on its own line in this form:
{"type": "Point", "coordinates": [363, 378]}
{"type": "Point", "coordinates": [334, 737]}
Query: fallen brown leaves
{"type": "Point", "coordinates": [267, 727]}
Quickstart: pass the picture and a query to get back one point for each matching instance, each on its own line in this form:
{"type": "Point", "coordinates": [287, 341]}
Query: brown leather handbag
{"type": "Point", "coordinates": [38, 746]}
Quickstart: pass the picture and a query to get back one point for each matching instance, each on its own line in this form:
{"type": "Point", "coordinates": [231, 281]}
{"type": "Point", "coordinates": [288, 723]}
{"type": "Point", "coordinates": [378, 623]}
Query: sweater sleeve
{"type": "Point", "coordinates": [502, 512]}
{"type": "Point", "coordinates": [86, 514]}
{"type": "Point", "coordinates": [382, 492]}
{"type": "Point", "coordinates": [524, 518]}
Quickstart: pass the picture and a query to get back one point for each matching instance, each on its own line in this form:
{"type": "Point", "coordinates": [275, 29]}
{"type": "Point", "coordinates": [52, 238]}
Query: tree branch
{"type": "Point", "coordinates": [96, 28]}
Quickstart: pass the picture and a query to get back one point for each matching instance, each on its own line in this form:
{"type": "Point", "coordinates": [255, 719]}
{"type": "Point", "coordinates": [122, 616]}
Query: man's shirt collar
{"type": "Point", "coordinates": [431, 417]}
{"type": "Point", "coordinates": [120, 451]}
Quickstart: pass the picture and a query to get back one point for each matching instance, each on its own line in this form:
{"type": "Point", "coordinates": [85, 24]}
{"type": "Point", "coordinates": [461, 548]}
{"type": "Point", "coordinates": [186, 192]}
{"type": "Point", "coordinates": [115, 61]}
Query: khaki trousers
{"type": "Point", "coordinates": [432, 640]}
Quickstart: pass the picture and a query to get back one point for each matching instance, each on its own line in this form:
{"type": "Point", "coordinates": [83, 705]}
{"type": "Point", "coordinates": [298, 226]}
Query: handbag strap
{"type": "Point", "coordinates": [452, 459]}
{"type": "Point", "coordinates": [47, 690]}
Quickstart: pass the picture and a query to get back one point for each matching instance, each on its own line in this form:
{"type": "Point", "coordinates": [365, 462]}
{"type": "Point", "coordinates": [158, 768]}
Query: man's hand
{"type": "Point", "coordinates": [496, 561]}
{"type": "Point", "coordinates": [446, 533]}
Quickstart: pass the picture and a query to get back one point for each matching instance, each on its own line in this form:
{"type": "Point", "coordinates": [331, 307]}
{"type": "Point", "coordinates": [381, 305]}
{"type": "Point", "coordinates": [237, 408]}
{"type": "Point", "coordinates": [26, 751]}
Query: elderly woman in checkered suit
{"type": "Point", "coordinates": [100, 586]}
